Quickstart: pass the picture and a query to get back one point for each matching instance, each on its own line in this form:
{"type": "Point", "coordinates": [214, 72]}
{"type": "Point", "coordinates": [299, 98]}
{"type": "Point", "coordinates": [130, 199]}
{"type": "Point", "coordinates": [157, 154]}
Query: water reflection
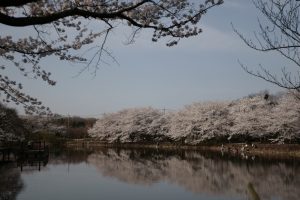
{"type": "Point", "coordinates": [259, 179]}
{"type": "Point", "coordinates": [10, 182]}
{"type": "Point", "coordinates": [209, 175]}
{"type": "Point", "coordinates": [69, 156]}
{"type": "Point", "coordinates": [32, 164]}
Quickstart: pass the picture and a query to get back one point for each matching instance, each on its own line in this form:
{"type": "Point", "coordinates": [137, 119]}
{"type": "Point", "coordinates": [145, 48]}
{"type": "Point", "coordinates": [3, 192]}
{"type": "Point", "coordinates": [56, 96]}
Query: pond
{"type": "Point", "coordinates": [129, 174]}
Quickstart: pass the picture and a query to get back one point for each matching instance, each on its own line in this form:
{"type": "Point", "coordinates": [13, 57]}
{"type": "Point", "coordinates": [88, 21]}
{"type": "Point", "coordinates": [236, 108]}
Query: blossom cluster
{"type": "Point", "coordinates": [62, 30]}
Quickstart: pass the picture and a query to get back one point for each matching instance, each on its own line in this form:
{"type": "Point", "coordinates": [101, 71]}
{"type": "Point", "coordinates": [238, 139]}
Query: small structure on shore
{"type": "Point", "coordinates": [29, 153]}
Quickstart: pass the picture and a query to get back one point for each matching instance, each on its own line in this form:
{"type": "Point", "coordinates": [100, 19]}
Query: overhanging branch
{"type": "Point", "coordinates": [46, 19]}
{"type": "Point", "coordinates": [16, 3]}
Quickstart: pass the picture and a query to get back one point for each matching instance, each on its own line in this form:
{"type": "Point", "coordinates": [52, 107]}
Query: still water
{"type": "Point", "coordinates": [128, 174]}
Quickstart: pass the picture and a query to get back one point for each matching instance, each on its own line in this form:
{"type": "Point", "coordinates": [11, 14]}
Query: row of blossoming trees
{"type": "Point", "coordinates": [255, 118]}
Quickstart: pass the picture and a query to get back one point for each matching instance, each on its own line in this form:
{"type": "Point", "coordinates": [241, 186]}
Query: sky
{"type": "Point", "coordinates": [202, 68]}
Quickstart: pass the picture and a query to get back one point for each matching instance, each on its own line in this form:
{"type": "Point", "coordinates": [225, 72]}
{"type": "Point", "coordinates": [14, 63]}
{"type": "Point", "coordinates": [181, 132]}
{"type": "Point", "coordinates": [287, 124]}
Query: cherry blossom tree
{"type": "Point", "coordinates": [62, 30]}
{"type": "Point", "coordinates": [279, 32]}
{"type": "Point", "coordinates": [249, 119]}
{"type": "Point", "coordinates": [132, 125]}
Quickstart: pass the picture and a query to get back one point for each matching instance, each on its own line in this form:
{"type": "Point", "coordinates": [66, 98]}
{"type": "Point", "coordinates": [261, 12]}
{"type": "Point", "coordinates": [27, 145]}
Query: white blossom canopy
{"type": "Point", "coordinates": [54, 20]}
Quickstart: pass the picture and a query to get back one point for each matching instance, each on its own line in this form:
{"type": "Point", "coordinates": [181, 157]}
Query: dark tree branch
{"type": "Point", "coordinates": [283, 82]}
{"type": "Point", "coordinates": [70, 19]}
{"type": "Point", "coordinates": [40, 20]}
{"type": "Point", "coordinates": [281, 34]}
{"type": "Point", "coordinates": [16, 3]}
{"type": "Point", "coordinates": [29, 21]}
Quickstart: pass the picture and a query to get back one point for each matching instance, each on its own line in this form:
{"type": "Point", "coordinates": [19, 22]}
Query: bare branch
{"type": "Point", "coordinates": [281, 35]}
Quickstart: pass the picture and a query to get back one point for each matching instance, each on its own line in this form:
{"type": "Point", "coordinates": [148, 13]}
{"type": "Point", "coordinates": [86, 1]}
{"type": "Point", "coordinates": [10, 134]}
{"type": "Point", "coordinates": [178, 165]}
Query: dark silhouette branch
{"type": "Point", "coordinates": [282, 35]}
{"type": "Point", "coordinates": [46, 19]}
{"type": "Point", "coordinates": [284, 82]}
{"type": "Point", "coordinates": [16, 3]}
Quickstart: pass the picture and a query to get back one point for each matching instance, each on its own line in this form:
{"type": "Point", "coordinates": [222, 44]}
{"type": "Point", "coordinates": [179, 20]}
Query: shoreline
{"type": "Point", "coordinates": [281, 151]}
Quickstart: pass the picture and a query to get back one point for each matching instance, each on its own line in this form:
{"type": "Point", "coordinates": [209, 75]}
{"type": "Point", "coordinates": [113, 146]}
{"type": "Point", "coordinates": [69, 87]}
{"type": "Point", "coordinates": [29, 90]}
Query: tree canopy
{"type": "Point", "coordinates": [250, 119]}
{"type": "Point", "coordinates": [61, 29]}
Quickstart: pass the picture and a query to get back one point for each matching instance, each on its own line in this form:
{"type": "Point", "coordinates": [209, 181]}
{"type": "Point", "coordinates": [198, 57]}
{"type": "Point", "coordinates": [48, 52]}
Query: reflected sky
{"type": "Point", "coordinates": [150, 174]}
{"type": "Point", "coordinates": [83, 181]}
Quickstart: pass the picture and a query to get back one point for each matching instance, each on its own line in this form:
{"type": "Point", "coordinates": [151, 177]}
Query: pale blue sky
{"type": "Point", "coordinates": [150, 74]}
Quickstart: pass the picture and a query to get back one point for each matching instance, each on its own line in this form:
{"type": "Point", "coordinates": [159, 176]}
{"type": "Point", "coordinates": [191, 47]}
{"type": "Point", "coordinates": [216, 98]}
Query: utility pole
{"type": "Point", "coordinates": [68, 121]}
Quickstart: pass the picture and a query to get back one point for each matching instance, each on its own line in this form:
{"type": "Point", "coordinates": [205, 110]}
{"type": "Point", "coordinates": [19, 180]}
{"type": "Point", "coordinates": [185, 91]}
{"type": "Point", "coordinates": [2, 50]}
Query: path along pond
{"type": "Point", "coordinates": [129, 174]}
